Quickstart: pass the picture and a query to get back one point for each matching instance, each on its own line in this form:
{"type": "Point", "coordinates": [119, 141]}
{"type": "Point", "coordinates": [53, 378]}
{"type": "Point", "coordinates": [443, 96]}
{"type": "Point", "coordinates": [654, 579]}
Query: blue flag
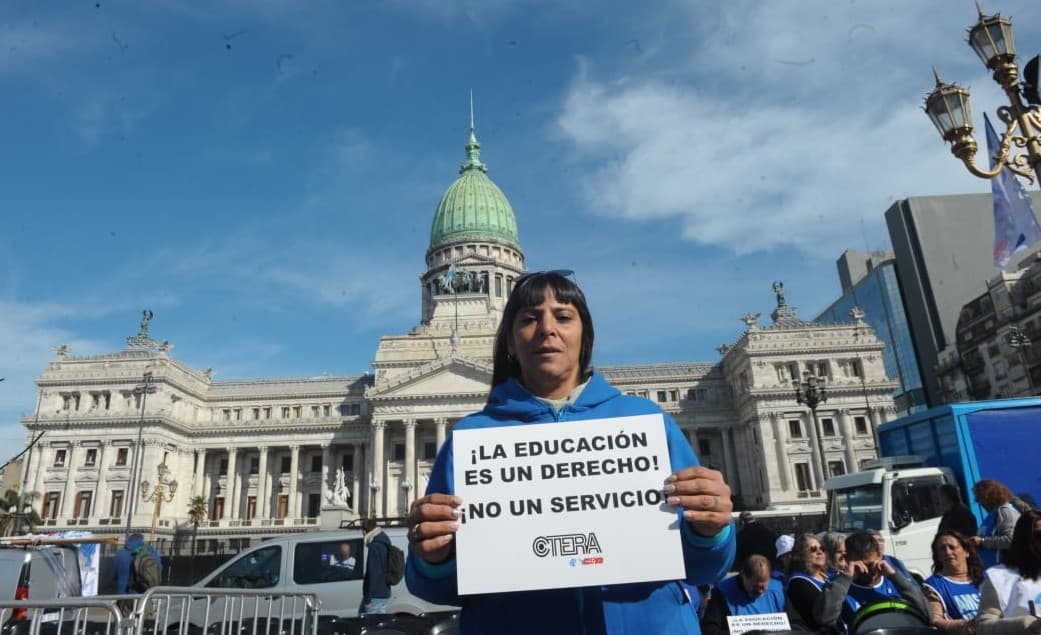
{"type": "Point", "coordinates": [1015, 227]}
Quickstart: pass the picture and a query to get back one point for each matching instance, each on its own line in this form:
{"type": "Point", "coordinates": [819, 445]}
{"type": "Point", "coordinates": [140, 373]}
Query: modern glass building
{"type": "Point", "coordinates": [875, 291]}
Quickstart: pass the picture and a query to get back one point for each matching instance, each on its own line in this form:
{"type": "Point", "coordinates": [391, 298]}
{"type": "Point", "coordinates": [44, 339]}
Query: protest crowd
{"type": "Point", "coordinates": [985, 579]}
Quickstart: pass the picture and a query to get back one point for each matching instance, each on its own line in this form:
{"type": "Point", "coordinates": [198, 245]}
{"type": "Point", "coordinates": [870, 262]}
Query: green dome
{"type": "Point", "coordinates": [474, 208]}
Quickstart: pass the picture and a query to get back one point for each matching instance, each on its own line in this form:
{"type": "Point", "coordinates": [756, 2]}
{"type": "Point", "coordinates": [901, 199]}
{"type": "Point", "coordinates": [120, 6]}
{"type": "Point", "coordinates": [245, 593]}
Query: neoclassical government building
{"type": "Point", "coordinates": [272, 455]}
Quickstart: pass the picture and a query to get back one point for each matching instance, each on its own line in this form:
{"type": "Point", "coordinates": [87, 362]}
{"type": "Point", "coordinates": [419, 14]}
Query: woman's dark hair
{"type": "Point", "coordinates": [800, 558]}
{"type": "Point", "coordinates": [1025, 551]}
{"type": "Point", "coordinates": [991, 494]}
{"type": "Point", "coordinates": [528, 291]}
{"type": "Point", "coordinates": [973, 560]}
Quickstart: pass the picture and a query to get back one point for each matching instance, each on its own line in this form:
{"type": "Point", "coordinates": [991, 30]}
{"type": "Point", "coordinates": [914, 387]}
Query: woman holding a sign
{"type": "Point", "coordinates": [565, 506]}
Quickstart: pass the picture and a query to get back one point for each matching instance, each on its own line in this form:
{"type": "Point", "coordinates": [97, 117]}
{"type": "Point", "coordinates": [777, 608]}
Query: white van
{"type": "Point", "coordinates": [318, 563]}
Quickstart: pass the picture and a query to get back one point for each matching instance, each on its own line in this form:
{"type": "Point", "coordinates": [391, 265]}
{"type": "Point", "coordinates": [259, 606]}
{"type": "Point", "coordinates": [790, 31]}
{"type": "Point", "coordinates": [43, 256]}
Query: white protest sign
{"type": "Point", "coordinates": [763, 622]}
{"type": "Point", "coordinates": [570, 504]}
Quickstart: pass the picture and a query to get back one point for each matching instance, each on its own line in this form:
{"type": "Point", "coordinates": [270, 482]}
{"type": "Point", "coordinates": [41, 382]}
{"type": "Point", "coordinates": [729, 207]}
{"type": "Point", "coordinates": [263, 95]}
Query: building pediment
{"type": "Point", "coordinates": [441, 378]}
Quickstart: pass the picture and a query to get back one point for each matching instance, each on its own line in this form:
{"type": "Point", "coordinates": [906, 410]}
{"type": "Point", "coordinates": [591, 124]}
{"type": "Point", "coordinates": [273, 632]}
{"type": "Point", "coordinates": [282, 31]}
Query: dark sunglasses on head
{"type": "Point", "coordinates": [563, 273]}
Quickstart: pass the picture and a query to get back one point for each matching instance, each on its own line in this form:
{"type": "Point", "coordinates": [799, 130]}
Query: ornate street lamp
{"type": "Point", "coordinates": [163, 492]}
{"type": "Point", "coordinates": [142, 390]}
{"type": "Point", "coordinates": [1019, 341]}
{"type": "Point", "coordinates": [949, 108]}
{"type": "Point", "coordinates": [811, 393]}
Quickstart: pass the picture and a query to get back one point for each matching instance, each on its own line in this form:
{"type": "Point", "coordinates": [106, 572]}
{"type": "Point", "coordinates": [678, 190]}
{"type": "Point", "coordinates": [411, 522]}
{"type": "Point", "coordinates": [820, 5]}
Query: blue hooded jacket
{"type": "Point", "coordinates": [124, 561]}
{"type": "Point", "coordinates": [649, 607]}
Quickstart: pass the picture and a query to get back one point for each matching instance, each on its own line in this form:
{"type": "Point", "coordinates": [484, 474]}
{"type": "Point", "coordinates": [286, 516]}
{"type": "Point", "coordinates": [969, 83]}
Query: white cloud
{"type": "Point", "coordinates": [794, 123]}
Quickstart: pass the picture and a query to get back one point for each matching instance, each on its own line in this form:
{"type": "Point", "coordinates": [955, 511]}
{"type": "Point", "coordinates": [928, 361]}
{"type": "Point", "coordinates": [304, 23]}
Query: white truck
{"type": "Point", "coordinates": [957, 443]}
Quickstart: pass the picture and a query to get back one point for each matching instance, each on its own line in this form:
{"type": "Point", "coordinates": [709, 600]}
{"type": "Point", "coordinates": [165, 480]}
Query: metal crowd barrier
{"type": "Point", "coordinates": [166, 611]}
{"type": "Point", "coordinates": [67, 616]}
{"type": "Point", "coordinates": [191, 611]}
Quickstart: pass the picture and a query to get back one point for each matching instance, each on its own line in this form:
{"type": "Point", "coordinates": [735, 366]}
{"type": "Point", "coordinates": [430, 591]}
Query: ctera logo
{"type": "Point", "coordinates": [566, 545]}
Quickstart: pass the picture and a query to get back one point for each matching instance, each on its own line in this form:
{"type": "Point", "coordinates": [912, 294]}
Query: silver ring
{"type": "Point", "coordinates": [413, 533]}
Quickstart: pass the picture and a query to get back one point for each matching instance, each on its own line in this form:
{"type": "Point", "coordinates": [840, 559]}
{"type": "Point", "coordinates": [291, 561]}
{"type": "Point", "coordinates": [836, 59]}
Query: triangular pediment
{"type": "Point", "coordinates": [440, 378]}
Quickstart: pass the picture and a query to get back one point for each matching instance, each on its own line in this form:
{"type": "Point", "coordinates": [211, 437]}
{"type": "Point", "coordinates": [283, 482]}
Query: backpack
{"type": "Point", "coordinates": [144, 570]}
{"type": "Point", "coordinates": [395, 565]}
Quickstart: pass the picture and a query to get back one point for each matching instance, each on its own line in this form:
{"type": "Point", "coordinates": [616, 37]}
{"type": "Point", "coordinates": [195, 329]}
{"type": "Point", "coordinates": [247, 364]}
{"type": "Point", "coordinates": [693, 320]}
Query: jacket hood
{"type": "Point", "coordinates": [134, 541]}
{"type": "Point", "coordinates": [511, 400]}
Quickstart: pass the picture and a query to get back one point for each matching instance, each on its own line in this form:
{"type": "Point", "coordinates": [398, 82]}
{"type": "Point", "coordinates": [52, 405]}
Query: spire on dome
{"type": "Point", "coordinates": [473, 148]}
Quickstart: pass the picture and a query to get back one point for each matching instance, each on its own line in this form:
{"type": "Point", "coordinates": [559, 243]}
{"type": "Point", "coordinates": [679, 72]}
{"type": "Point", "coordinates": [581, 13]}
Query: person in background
{"type": "Point", "coordinates": [995, 533]}
{"type": "Point", "coordinates": [1011, 591]}
{"type": "Point", "coordinates": [893, 561]}
{"type": "Point", "coordinates": [751, 592]}
{"type": "Point", "coordinates": [953, 590]}
{"type": "Point", "coordinates": [835, 551]}
{"type": "Point", "coordinates": [956, 514]}
{"type": "Point", "coordinates": [542, 374]}
{"type": "Point", "coordinates": [868, 578]}
{"type": "Point", "coordinates": [783, 546]}
{"type": "Point", "coordinates": [806, 579]}
{"type": "Point", "coordinates": [124, 561]}
{"type": "Point", "coordinates": [753, 538]}
{"type": "Point", "coordinates": [375, 592]}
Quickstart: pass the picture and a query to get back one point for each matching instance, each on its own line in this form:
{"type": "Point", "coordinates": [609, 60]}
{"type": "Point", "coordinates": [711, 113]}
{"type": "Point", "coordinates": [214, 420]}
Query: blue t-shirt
{"type": "Point", "coordinates": [961, 600]}
{"type": "Point", "coordinates": [859, 595]}
{"type": "Point", "coordinates": [739, 603]}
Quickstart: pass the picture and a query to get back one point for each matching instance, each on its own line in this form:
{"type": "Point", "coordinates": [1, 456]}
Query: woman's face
{"type": "Point", "coordinates": [817, 558]}
{"type": "Point", "coordinates": [840, 555]}
{"type": "Point", "coordinates": [546, 341]}
{"type": "Point", "coordinates": [951, 554]}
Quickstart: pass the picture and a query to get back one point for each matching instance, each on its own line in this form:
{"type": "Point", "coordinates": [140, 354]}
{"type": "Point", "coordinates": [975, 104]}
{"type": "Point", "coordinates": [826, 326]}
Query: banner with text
{"type": "Point", "coordinates": [554, 505]}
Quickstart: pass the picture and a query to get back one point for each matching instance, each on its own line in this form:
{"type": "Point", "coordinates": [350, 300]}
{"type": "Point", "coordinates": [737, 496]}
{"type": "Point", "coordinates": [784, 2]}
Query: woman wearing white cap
{"type": "Point", "coordinates": [783, 545]}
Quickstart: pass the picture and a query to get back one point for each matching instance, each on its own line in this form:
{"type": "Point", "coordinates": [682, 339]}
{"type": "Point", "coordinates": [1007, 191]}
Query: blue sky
{"type": "Point", "coordinates": [262, 174]}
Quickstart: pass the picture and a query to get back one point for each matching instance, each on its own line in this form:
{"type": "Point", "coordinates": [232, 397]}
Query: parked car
{"type": "Point", "coordinates": [314, 563]}
{"type": "Point", "coordinates": [37, 572]}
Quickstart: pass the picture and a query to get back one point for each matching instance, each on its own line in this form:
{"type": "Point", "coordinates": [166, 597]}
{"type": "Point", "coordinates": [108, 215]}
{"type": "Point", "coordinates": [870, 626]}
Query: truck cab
{"type": "Point", "coordinates": [898, 496]}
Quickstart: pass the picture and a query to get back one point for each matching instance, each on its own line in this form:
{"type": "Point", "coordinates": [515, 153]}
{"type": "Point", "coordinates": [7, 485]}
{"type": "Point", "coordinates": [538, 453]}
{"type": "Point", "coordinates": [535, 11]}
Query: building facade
{"type": "Point", "coordinates": [944, 256]}
{"type": "Point", "coordinates": [869, 284]}
{"type": "Point", "coordinates": [996, 352]}
{"type": "Point", "coordinates": [272, 455]}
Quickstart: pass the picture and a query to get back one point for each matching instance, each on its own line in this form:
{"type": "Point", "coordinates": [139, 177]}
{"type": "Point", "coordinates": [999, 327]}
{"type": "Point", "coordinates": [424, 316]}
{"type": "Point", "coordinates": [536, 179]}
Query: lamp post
{"type": "Point", "coordinates": [162, 492]}
{"type": "Point", "coordinates": [811, 393]}
{"type": "Point", "coordinates": [142, 390]}
{"type": "Point", "coordinates": [374, 489]}
{"type": "Point", "coordinates": [407, 486]}
{"type": "Point", "coordinates": [949, 108]}
{"type": "Point", "coordinates": [1019, 341]}
{"type": "Point", "coordinates": [24, 514]}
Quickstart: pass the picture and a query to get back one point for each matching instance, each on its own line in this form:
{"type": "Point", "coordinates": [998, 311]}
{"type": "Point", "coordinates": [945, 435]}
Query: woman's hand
{"type": "Point", "coordinates": [704, 497]}
{"type": "Point", "coordinates": [976, 540]}
{"type": "Point", "coordinates": [432, 523]}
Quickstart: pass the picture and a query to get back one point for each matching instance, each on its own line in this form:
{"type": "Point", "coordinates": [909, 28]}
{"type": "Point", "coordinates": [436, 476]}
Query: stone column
{"type": "Point", "coordinates": [102, 463]}
{"type": "Point", "coordinates": [292, 506]}
{"type": "Point", "coordinates": [359, 467]}
{"type": "Point", "coordinates": [65, 504]}
{"type": "Point", "coordinates": [378, 468]}
{"type": "Point", "coordinates": [230, 490]}
{"type": "Point", "coordinates": [410, 459]}
{"type": "Point", "coordinates": [780, 451]}
{"type": "Point", "coordinates": [263, 490]}
{"type": "Point", "coordinates": [815, 445]}
{"type": "Point", "coordinates": [729, 463]}
{"type": "Point", "coordinates": [200, 473]}
{"type": "Point", "coordinates": [442, 423]}
{"type": "Point", "coordinates": [327, 458]}
{"type": "Point", "coordinates": [847, 436]}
